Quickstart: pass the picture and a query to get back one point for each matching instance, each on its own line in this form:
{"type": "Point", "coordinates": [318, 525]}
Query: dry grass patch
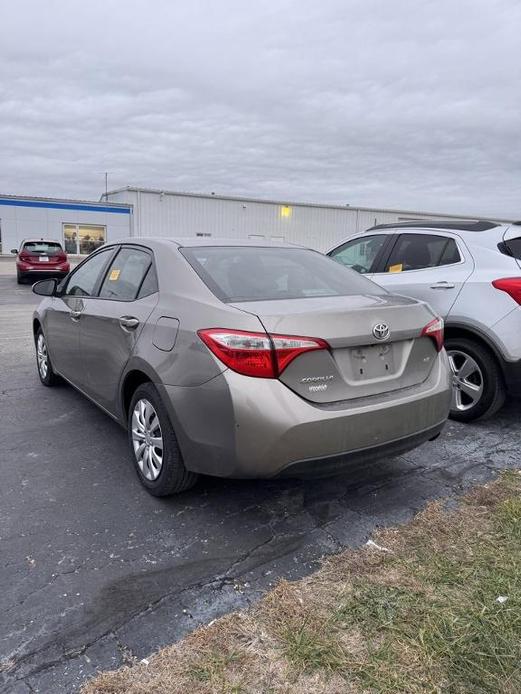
{"type": "Point", "coordinates": [437, 610]}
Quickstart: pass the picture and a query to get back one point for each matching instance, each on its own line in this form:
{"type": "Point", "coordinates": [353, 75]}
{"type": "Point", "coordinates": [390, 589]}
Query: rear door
{"type": "Point", "coordinates": [112, 322]}
{"type": "Point", "coordinates": [62, 323]}
{"type": "Point", "coordinates": [430, 266]}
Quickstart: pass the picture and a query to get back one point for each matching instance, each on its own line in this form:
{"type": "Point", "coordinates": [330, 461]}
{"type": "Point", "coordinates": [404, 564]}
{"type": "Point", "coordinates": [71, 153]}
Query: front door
{"type": "Point", "coordinates": [112, 322]}
{"type": "Point", "coordinates": [62, 328]}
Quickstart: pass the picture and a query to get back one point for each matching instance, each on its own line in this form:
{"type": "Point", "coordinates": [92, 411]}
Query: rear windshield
{"type": "Point", "coordinates": [263, 274]}
{"type": "Point", "coordinates": [42, 247]}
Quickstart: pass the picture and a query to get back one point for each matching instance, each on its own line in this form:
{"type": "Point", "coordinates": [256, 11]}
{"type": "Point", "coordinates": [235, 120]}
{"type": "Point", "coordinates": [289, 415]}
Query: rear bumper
{"type": "Point", "coordinates": [56, 271]}
{"type": "Point", "coordinates": [236, 426]}
{"type": "Point", "coordinates": [43, 269]}
{"type": "Point", "coordinates": [336, 464]}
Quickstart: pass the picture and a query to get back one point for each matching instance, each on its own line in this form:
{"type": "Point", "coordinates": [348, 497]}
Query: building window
{"type": "Point", "coordinates": [82, 239]}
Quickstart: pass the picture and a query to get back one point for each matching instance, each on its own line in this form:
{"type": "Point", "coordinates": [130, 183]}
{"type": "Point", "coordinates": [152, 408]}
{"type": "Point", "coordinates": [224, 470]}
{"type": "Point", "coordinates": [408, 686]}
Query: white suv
{"type": "Point", "coordinates": [470, 273]}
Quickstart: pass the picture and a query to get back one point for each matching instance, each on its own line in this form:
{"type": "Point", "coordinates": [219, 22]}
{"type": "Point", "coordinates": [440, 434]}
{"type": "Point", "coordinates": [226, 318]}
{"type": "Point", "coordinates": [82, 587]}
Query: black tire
{"type": "Point", "coordinates": [20, 278]}
{"type": "Point", "coordinates": [494, 391]}
{"type": "Point", "coordinates": [173, 477]}
{"type": "Point", "coordinates": [47, 376]}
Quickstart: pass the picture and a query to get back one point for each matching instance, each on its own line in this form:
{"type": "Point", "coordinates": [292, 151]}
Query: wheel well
{"type": "Point", "coordinates": [132, 380]}
{"type": "Point", "coordinates": [455, 332]}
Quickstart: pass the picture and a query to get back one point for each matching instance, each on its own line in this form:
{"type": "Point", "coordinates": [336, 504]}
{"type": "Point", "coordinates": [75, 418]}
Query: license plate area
{"type": "Point", "coordinates": [373, 361]}
{"type": "Point", "coordinates": [43, 259]}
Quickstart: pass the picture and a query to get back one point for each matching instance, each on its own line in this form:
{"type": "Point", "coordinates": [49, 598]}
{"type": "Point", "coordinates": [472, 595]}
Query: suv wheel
{"type": "Point", "coordinates": [43, 361]}
{"type": "Point", "coordinates": [478, 388]}
{"type": "Point", "coordinates": [20, 278]}
{"type": "Point", "coordinates": [153, 445]}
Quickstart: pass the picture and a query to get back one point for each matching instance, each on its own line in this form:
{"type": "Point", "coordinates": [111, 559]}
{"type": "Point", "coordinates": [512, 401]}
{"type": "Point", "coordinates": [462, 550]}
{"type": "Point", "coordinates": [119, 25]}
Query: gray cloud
{"type": "Point", "coordinates": [369, 102]}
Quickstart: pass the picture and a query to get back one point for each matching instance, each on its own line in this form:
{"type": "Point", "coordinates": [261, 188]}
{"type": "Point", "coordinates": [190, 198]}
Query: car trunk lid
{"type": "Point", "coordinates": [358, 363]}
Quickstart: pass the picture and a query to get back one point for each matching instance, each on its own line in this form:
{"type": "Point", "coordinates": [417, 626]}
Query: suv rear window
{"type": "Point", "coordinates": [42, 247]}
{"type": "Point", "coordinates": [511, 247]}
{"type": "Point", "coordinates": [263, 274]}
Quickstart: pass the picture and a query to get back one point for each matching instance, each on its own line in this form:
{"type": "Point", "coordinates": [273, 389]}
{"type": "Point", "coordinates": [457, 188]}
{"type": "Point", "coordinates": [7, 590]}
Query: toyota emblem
{"type": "Point", "coordinates": [381, 331]}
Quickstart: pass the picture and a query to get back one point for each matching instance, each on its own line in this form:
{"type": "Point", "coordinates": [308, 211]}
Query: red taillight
{"type": "Point", "coordinates": [257, 354]}
{"type": "Point", "coordinates": [510, 285]}
{"type": "Point", "coordinates": [24, 257]}
{"type": "Point", "coordinates": [288, 347]}
{"type": "Point", "coordinates": [435, 331]}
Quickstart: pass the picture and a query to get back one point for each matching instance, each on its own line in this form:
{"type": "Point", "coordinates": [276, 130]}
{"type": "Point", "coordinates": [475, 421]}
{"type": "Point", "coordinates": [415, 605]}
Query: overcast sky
{"type": "Point", "coordinates": [393, 103]}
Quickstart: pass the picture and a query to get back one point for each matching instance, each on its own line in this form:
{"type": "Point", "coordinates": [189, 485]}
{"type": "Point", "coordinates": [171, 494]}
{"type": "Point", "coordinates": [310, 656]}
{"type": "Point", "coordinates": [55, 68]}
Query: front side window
{"type": "Point", "coordinates": [420, 251]}
{"type": "Point", "coordinates": [125, 275]}
{"type": "Point", "coordinates": [359, 254]}
{"type": "Point", "coordinates": [84, 280]}
{"type": "Point", "coordinates": [263, 274]}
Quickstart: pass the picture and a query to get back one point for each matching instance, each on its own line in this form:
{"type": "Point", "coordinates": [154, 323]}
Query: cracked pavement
{"type": "Point", "coordinates": [95, 572]}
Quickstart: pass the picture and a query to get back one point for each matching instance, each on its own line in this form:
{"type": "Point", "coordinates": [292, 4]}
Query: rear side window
{"type": "Point", "coordinates": [264, 274]}
{"type": "Point", "coordinates": [420, 251]}
{"type": "Point", "coordinates": [125, 275]}
{"type": "Point", "coordinates": [511, 247]}
{"type": "Point", "coordinates": [359, 254]}
{"type": "Point", "coordinates": [149, 285]}
{"type": "Point", "coordinates": [42, 247]}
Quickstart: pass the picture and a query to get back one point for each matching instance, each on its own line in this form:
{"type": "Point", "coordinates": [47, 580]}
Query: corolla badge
{"type": "Point", "coordinates": [381, 331]}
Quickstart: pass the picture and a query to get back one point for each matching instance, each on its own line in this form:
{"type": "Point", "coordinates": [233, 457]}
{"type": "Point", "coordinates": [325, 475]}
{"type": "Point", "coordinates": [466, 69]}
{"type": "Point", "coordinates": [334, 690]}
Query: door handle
{"type": "Point", "coordinates": [75, 315]}
{"type": "Point", "coordinates": [128, 322]}
{"type": "Point", "coordinates": [443, 285]}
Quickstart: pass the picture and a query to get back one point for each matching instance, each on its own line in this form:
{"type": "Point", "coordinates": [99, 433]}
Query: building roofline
{"type": "Point", "coordinates": [292, 203]}
{"type": "Point", "coordinates": [65, 201]}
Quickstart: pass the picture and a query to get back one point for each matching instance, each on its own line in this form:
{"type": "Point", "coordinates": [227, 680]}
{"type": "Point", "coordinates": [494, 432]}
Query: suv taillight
{"type": "Point", "coordinates": [510, 285]}
{"type": "Point", "coordinates": [257, 354]}
{"type": "Point", "coordinates": [435, 330]}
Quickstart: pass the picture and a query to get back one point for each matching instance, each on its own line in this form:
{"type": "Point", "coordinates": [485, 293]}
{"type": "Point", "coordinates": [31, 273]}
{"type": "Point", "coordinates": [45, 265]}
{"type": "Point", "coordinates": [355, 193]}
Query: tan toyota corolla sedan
{"type": "Point", "coordinates": [243, 359]}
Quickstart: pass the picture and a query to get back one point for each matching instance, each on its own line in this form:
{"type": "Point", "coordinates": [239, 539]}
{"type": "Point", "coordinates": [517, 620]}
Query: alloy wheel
{"type": "Point", "coordinates": [467, 380]}
{"type": "Point", "coordinates": [147, 439]}
{"type": "Point", "coordinates": [42, 357]}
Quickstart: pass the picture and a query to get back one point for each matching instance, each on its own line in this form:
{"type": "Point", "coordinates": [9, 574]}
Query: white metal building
{"type": "Point", "coordinates": [81, 226]}
{"type": "Point", "coordinates": [168, 213]}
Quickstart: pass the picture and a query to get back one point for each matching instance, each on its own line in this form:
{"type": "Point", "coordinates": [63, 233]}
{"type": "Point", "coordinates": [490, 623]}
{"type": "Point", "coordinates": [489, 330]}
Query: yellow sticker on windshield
{"type": "Point", "coordinates": [396, 268]}
{"type": "Point", "coordinates": [114, 275]}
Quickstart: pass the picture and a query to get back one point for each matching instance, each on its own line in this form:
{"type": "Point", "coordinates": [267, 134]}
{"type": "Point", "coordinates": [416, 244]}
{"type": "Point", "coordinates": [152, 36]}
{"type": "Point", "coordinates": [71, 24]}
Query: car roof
{"type": "Point", "coordinates": [191, 242]}
{"type": "Point", "coordinates": [473, 226]}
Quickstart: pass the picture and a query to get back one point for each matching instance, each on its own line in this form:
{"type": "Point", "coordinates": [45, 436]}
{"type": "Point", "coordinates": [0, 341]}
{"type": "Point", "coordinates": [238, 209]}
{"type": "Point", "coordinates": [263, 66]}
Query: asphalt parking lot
{"type": "Point", "coordinates": [95, 572]}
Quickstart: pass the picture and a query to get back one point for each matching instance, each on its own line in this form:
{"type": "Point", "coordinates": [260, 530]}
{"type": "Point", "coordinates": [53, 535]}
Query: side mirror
{"type": "Point", "coordinates": [14, 251]}
{"type": "Point", "coordinates": [45, 287]}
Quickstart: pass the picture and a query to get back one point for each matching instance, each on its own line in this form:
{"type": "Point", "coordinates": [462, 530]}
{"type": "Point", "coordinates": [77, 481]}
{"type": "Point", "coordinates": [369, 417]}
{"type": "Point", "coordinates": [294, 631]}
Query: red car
{"type": "Point", "coordinates": [40, 257]}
